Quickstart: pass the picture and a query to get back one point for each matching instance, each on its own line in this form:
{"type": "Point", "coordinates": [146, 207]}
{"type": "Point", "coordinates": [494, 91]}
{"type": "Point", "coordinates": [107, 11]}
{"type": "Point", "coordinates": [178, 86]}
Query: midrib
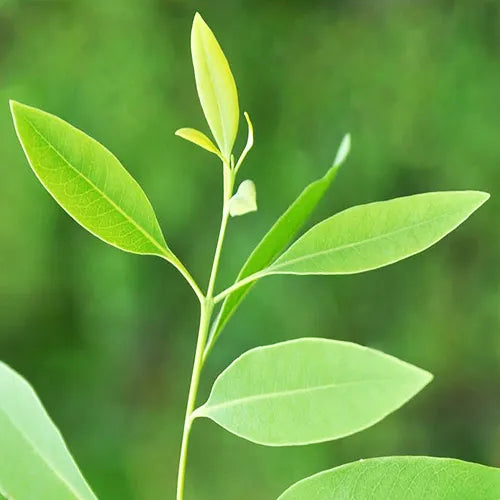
{"type": "Point", "coordinates": [287, 393]}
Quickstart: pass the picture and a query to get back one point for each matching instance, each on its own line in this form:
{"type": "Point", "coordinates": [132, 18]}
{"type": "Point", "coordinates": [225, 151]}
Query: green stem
{"type": "Point", "coordinates": [207, 306]}
{"type": "Point", "coordinates": [243, 282]}
{"type": "Point", "coordinates": [205, 316]}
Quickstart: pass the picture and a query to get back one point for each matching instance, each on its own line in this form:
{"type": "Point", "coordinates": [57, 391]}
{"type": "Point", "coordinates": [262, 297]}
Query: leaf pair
{"type": "Point", "coordinates": [217, 92]}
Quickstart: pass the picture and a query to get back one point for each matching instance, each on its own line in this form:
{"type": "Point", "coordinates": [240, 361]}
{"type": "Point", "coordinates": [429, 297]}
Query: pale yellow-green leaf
{"type": "Point", "coordinates": [245, 199]}
{"type": "Point", "coordinates": [215, 85]}
{"type": "Point", "coordinates": [249, 143]}
{"type": "Point", "coordinates": [198, 138]}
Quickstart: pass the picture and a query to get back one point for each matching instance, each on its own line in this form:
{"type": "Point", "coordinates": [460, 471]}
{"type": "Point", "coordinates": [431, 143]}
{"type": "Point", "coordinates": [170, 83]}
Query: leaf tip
{"type": "Point", "coordinates": [343, 150]}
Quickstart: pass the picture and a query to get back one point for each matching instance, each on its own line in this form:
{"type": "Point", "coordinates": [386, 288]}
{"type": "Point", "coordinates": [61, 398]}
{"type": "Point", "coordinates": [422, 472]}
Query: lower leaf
{"type": "Point", "coordinates": [309, 390]}
{"type": "Point", "coordinates": [400, 478]}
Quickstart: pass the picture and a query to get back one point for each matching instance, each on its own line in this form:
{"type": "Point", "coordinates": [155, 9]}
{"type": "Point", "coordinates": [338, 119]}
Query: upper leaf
{"type": "Point", "coordinates": [244, 200]}
{"type": "Point", "coordinates": [377, 234]}
{"type": "Point", "coordinates": [278, 237]}
{"type": "Point", "coordinates": [89, 182]}
{"type": "Point", "coordinates": [35, 461]}
{"type": "Point", "coordinates": [198, 138]}
{"type": "Point", "coordinates": [401, 478]}
{"type": "Point", "coordinates": [309, 390]}
{"type": "Point", "coordinates": [215, 85]}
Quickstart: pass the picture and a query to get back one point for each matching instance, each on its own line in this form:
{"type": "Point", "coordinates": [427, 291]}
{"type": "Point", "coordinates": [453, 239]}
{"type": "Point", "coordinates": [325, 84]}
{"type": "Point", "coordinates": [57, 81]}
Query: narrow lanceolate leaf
{"type": "Point", "coordinates": [35, 462]}
{"type": "Point", "coordinates": [278, 237]}
{"type": "Point", "coordinates": [377, 234]}
{"type": "Point", "coordinates": [309, 390]}
{"type": "Point", "coordinates": [248, 145]}
{"type": "Point", "coordinates": [198, 138]}
{"type": "Point", "coordinates": [88, 182]}
{"type": "Point", "coordinates": [401, 478]}
{"type": "Point", "coordinates": [215, 85]}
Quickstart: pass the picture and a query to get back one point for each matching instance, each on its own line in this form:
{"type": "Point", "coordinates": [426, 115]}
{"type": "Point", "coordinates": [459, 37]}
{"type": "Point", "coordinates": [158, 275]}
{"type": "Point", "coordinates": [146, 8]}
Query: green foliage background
{"type": "Point", "coordinates": [107, 338]}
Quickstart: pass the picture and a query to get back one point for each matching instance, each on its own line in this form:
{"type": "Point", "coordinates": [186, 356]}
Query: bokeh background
{"type": "Point", "coordinates": [107, 338]}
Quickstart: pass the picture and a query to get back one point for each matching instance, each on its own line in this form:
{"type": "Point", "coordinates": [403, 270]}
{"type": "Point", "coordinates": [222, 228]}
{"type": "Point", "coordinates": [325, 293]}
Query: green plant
{"type": "Point", "coordinates": [298, 392]}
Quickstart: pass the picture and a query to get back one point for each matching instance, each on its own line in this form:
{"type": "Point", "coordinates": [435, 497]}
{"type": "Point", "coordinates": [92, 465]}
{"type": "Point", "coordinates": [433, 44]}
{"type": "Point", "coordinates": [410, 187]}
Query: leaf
{"type": "Point", "coordinates": [35, 460]}
{"type": "Point", "coordinates": [215, 85]}
{"type": "Point", "coordinates": [244, 201]}
{"type": "Point", "coordinates": [89, 182]}
{"type": "Point", "coordinates": [377, 234]}
{"type": "Point", "coordinates": [276, 239]}
{"type": "Point", "coordinates": [401, 478]}
{"type": "Point", "coordinates": [198, 138]}
{"type": "Point", "coordinates": [248, 145]}
{"type": "Point", "coordinates": [309, 390]}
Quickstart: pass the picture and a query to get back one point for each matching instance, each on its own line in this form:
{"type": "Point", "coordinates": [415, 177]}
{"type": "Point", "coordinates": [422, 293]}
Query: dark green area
{"type": "Point", "coordinates": [107, 338]}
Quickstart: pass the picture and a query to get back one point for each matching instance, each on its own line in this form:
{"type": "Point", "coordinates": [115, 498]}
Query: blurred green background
{"type": "Point", "coordinates": [107, 338]}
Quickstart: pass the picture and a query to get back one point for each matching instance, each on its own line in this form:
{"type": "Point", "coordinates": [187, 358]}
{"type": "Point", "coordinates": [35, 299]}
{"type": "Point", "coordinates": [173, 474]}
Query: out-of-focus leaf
{"type": "Point", "coordinates": [35, 462]}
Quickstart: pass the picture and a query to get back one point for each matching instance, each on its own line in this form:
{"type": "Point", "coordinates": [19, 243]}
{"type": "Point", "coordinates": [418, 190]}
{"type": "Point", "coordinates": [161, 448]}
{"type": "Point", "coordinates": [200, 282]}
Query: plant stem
{"type": "Point", "coordinates": [238, 284]}
{"type": "Point", "coordinates": [206, 306]}
{"type": "Point", "coordinates": [206, 313]}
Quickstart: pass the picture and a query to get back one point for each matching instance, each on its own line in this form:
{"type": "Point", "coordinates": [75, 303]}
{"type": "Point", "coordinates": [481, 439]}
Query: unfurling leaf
{"type": "Point", "coordinates": [198, 138]}
{"type": "Point", "coordinates": [215, 85]}
{"type": "Point", "coordinates": [244, 200]}
{"type": "Point", "coordinates": [401, 478]}
{"type": "Point", "coordinates": [35, 462]}
{"type": "Point", "coordinates": [370, 236]}
{"type": "Point", "coordinates": [89, 182]}
{"type": "Point", "coordinates": [309, 390]}
{"type": "Point", "coordinates": [277, 238]}
{"type": "Point", "coordinates": [248, 145]}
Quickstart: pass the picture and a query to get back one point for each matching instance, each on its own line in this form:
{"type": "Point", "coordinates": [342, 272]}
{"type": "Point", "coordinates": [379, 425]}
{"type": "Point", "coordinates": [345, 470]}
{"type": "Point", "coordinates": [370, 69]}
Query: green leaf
{"type": "Point", "coordinates": [215, 85]}
{"type": "Point", "coordinates": [278, 237]}
{"type": "Point", "coordinates": [309, 390]}
{"type": "Point", "coordinates": [377, 234]}
{"type": "Point", "coordinates": [198, 138]}
{"type": "Point", "coordinates": [248, 145]}
{"type": "Point", "coordinates": [35, 461]}
{"type": "Point", "coordinates": [244, 200]}
{"type": "Point", "coordinates": [401, 478]}
{"type": "Point", "coordinates": [89, 182]}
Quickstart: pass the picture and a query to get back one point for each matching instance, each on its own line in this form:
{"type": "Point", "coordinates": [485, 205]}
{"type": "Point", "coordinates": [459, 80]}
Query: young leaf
{"type": "Point", "coordinates": [215, 85]}
{"type": "Point", "coordinates": [198, 138]}
{"type": "Point", "coordinates": [248, 145]}
{"type": "Point", "coordinates": [377, 234]}
{"type": "Point", "coordinates": [401, 478]}
{"type": "Point", "coordinates": [309, 390]}
{"type": "Point", "coordinates": [35, 461]}
{"type": "Point", "coordinates": [244, 200]}
{"type": "Point", "coordinates": [88, 182]}
{"type": "Point", "coordinates": [277, 238]}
